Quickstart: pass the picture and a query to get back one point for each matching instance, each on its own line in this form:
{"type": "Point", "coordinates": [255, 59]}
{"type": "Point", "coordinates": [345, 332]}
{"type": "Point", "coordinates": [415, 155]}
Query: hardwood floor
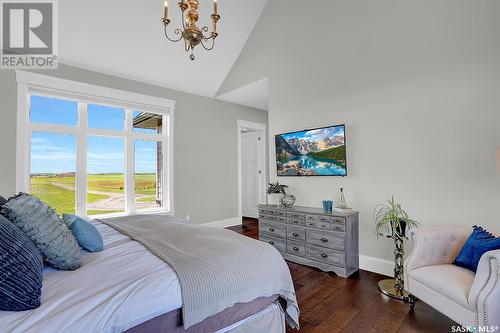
{"type": "Point", "coordinates": [332, 304]}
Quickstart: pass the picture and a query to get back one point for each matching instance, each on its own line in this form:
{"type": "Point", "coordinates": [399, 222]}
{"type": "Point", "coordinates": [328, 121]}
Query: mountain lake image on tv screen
{"type": "Point", "coordinates": [316, 152]}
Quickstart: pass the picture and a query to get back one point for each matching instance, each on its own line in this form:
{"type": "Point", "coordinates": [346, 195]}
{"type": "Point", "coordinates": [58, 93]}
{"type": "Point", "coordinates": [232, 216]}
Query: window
{"type": "Point", "coordinates": [53, 167]}
{"type": "Point", "coordinates": [91, 157]}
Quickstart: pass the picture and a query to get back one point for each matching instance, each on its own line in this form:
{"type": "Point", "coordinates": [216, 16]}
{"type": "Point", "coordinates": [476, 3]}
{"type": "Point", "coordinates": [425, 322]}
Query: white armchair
{"type": "Point", "coordinates": [467, 298]}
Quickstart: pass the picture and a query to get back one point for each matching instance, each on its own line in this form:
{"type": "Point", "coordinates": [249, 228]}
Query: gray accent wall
{"type": "Point", "coordinates": [205, 142]}
{"type": "Point", "coordinates": [417, 84]}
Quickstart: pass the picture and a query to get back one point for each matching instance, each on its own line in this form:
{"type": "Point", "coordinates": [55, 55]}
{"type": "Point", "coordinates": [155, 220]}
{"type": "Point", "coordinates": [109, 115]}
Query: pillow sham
{"type": "Point", "coordinates": [21, 266]}
{"type": "Point", "coordinates": [85, 233]}
{"type": "Point", "coordinates": [42, 225]}
{"type": "Point", "coordinates": [478, 243]}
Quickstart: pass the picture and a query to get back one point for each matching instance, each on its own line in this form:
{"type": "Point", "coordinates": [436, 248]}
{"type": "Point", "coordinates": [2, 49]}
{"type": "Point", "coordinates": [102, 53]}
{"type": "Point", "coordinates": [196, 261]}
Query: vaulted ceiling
{"type": "Point", "coordinates": [125, 38]}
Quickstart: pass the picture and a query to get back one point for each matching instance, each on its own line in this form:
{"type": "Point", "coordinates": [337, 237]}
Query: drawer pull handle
{"type": "Point", "coordinates": [338, 228]}
{"type": "Point", "coordinates": [295, 248]}
{"type": "Point", "coordinates": [271, 242]}
{"type": "Point", "coordinates": [324, 255]}
{"type": "Point", "coordinates": [271, 229]}
{"type": "Point", "coordinates": [324, 240]}
{"type": "Point", "coordinates": [295, 234]}
{"type": "Point", "coordinates": [312, 224]}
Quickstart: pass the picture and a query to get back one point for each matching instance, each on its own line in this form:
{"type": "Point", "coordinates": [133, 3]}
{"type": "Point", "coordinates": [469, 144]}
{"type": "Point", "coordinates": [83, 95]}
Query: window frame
{"type": "Point", "coordinates": [37, 84]}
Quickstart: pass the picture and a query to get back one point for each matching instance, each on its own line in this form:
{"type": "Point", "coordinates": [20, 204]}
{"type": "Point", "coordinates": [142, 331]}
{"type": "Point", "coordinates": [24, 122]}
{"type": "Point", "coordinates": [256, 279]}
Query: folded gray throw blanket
{"type": "Point", "coordinates": [217, 268]}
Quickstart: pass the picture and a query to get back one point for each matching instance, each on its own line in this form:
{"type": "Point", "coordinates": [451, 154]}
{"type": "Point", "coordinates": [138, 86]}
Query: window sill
{"type": "Point", "coordinates": [145, 212]}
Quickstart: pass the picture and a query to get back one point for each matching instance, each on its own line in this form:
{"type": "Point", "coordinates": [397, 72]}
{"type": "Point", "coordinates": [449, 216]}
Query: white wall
{"type": "Point", "coordinates": [205, 143]}
{"type": "Point", "coordinates": [417, 83]}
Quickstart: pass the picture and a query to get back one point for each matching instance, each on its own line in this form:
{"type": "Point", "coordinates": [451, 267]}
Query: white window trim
{"type": "Point", "coordinates": [33, 83]}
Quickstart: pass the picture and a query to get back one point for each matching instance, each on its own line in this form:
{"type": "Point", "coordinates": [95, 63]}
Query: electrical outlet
{"type": "Point", "coordinates": [188, 217]}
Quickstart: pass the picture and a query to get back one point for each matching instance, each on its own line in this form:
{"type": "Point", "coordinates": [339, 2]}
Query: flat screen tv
{"type": "Point", "coordinates": [312, 152]}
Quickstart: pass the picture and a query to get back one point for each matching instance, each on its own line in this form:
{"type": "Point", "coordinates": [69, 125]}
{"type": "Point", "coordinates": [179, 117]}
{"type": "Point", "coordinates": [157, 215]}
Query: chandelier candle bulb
{"type": "Point", "coordinates": [165, 12]}
{"type": "Point", "coordinates": [215, 7]}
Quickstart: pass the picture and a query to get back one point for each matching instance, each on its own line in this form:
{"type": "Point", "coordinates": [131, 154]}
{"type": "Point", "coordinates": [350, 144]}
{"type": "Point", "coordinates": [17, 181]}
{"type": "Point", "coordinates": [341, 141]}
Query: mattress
{"type": "Point", "coordinates": [114, 291]}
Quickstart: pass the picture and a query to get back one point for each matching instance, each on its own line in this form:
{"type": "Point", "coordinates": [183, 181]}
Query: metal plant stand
{"type": "Point", "coordinates": [395, 287]}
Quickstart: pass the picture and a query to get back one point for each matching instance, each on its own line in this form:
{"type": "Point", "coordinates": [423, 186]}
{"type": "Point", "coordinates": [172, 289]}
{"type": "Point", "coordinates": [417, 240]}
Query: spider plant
{"type": "Point", "coordinates": [392, 220]}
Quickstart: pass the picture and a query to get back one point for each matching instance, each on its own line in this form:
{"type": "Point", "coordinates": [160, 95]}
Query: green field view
{"type": "Point", "coordinates": [59, 191]}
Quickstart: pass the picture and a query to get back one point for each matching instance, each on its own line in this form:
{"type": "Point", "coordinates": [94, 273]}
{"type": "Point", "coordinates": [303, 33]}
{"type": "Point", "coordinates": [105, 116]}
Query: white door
{"type": "Point", "coordinates": [250, 173]}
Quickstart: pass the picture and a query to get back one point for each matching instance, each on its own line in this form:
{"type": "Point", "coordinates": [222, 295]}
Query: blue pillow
{"type": "Point", "coordinates": [45, 229]}
{"type": "Point", "coordinates": [478, 243]}
{"type": "Point", "coordinates": [85, 233]}
{"type": "Point", "coordinates": [21, 266]}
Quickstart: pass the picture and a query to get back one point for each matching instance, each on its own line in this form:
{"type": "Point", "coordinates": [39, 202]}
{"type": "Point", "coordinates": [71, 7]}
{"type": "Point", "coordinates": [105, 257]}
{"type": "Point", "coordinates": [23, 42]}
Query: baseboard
{"type": "Point", "coordinates": [251, 213]}
{"type": "Point", "coordinates": [376, 265]}
{"type": "Point", "coordinates": [225, 223]}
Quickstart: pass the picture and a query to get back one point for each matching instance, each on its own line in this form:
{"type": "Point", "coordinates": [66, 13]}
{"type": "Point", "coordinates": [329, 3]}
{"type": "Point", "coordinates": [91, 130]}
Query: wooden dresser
{"type": "Point", "coordinates": [312, 237]}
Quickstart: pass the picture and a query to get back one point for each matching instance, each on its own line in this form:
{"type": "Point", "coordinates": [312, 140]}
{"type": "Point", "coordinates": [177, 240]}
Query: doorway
{"type": "Point", "coordinates": [251, 167]}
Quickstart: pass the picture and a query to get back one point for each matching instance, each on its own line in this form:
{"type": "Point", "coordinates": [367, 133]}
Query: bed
{"type": "Point", "coordinates": [127, 288]}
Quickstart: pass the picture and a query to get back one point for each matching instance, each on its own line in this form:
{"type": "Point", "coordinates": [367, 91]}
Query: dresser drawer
{"type": "Point", "coordinates": [325, 255]}
{"type": "Point", "coordinates": [278, 243]}
{"type": "Point", "coordinates": [325, 219]}
{"type": "Point", "coordinates": [324, 225]}
{"type": "Point", "coordinates": [276, 229]}
{"type": "Point", "coordinates": [327, 239]}
{"type": "Point", "coordinates": [310, 217]}
{"type": "Point", "coordinates": [313, 224]}
{"type": "Point", "coordinates": [296, 216]}
{"type": "Point", "coordinates": [338, 220]}
{"type": "Point", "coordinates": [270, 212]}
{"type": "Point", "coordinates": [266, 216]}
{"type": "Point", "coordinates": [297, 234]}
{"type": "Point", "coordinates": [280, 213]}
{"type": "Point", "coordinates": [297, 249]}
{"type": "Point", "coordinates": [281, 219]}
{"type": "Point", "coordinates": [338, 227]}
{"type": "Point", "coordinates": [296, 222]}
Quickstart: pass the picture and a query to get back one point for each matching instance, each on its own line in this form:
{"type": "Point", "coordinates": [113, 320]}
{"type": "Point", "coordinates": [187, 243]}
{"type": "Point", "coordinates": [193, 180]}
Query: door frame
{"type": "Point", "coordinates": [262, 160]}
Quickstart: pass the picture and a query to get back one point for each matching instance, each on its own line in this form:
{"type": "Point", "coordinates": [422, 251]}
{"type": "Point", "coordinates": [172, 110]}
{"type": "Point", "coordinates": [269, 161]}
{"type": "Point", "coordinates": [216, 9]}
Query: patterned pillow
{"type": "Point", "coordinates": [3, 201]}
{"type": "Point", "coordinates": [42, 225]}
{"type": "Point", "coordinates": [21, 266]}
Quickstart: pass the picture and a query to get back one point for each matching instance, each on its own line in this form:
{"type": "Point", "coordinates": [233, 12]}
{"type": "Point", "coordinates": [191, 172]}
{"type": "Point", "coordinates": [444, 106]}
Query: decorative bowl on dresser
{"type": "Point", "coordinates": [312, 237]}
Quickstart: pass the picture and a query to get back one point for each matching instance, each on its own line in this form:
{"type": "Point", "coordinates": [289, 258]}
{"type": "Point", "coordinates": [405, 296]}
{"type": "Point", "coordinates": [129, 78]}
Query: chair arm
{"type": "Point", "coordinates": [484, 295]}
{"type": "Point", "coordinates": [435, 246]}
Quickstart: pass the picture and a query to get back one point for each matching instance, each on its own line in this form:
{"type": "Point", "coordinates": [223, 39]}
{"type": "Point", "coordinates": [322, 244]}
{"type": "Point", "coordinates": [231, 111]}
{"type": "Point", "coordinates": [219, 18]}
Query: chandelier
{"type": "Point", "coordinates": [190, 32]}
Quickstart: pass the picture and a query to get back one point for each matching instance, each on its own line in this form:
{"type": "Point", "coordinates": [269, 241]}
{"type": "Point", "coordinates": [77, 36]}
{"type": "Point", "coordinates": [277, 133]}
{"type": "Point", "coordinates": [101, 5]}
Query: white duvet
{"type": "Point", "coordinates": [113, 291]}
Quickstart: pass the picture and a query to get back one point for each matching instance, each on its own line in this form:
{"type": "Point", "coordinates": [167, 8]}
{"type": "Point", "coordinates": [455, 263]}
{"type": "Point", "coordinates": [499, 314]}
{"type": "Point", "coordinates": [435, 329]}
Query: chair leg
{"type": "Point", "coordinates": [411, 301]}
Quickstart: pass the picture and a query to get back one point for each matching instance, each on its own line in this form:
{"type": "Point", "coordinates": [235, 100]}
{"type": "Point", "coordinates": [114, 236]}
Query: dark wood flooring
{"type": "Point", "coordinates": [332, 304]}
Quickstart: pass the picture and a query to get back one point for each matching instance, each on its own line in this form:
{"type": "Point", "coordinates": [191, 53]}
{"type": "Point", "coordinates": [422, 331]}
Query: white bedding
{"type": "Point", "coordinates": [114, 290]}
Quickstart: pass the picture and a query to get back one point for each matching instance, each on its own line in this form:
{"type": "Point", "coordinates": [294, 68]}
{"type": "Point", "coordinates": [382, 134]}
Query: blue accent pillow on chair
{"type": "Point", "coordinates": [478, 243]}
{"type": "Point", "coordinates": [47, 231]}
{"type": "Point", "coordinates": [85, 233]}
{"type": "Point", "coordinates": [21, 266]}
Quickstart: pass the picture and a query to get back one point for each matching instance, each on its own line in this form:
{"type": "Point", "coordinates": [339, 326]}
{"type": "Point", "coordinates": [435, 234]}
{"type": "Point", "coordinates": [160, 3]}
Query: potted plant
{"type": "Point", "coordinates": [275, 192]}
{"type": "Point", "coordinates": [393, 222]}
